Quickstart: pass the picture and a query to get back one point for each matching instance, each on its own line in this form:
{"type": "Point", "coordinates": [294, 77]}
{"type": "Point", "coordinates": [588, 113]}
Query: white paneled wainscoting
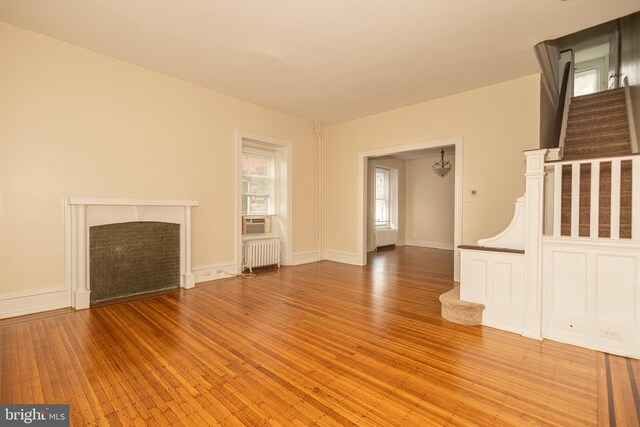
{"type": "Point", "coordinates": [495, 279]}
{"type": "Point", "coordinates": [576, 276]}
{"type": "Point", "coordinates": [590, 294]}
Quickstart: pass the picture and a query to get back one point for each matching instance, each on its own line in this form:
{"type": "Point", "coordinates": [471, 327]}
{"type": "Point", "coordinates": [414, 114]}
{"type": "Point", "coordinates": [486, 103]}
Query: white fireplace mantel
{"type": "Point", "coordinates": [84, 213]}
{"type": "Point", "coordinates": [129, 202]}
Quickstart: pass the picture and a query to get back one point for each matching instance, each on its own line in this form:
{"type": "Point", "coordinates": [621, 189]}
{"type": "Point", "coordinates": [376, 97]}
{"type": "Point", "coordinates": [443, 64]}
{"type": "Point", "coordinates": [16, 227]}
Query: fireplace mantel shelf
{"type": "Point", "coordinates": [92, 201]}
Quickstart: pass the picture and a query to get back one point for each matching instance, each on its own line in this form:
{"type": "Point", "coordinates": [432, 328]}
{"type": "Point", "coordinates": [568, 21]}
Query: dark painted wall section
{"type": "Point", "coordinates": [630, 48]}
{"type": "Point", "coordinates": [630, 60]}
{"type": "Point", "coordinates": [547, 118]}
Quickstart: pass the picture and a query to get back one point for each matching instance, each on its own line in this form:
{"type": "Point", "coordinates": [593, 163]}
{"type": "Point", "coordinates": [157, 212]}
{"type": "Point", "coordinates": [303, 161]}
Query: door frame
{"type": "Point", "coordinates": [458, 168]}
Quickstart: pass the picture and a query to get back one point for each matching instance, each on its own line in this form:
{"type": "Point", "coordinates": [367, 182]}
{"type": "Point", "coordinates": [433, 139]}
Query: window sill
{"type": "Point", "coordinates": [258, 236]}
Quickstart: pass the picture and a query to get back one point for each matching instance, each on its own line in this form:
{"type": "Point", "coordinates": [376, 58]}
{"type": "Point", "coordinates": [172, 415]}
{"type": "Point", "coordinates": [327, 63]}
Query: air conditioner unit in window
{"type": "Point", "coordinates": [256, 225]}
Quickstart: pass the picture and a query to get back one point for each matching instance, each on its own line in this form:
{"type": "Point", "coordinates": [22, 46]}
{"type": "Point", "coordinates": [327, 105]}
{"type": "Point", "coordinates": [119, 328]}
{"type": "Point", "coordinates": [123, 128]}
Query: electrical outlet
{"type": "Point", "coordinates": [572, 326]}
{"type": "Point", "coordinates": [614, 335]}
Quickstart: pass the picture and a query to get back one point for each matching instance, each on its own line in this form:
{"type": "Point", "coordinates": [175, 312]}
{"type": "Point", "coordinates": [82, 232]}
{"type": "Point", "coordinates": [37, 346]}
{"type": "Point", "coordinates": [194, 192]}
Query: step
{"type": "Point", "coordinates": [598, 120]}
{"type": "Point", "coordinates": [621, 135]}
{"type": "Point", "coordinates": [581, 114]}
{"type": "Point", "coordinates": [455, 310]}
{"type": "Point", "coordinates": [599, 134]}
{"type": "Point", "coordinates": [590, 127]}
{"type": "Point", "coordinates": [598, 103]}
{"type": "Point", "coordinates": [595, 152]}
{"type": "Point", "coordinates": [611, 93]}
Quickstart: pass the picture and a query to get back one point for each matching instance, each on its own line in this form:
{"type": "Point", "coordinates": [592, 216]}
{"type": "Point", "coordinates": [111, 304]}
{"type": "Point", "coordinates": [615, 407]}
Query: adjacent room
{"type": "Point", "coordinates": [320, 212]}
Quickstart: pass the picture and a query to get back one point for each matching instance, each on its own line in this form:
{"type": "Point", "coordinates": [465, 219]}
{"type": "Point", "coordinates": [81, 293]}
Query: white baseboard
{"type": "Point", "coordinates": [214, 272]}
{"type": "Point", "coordinates": [343, 257]}
{"type": "Point", "coordinates": [305, 257]}
{"type": "Point", "coordinates": [34, 301]}
{"type": "Point", "coordinates": [29, 302]}
{"type": "Point", "coordinates": [428, 244]}
{"type": "Point", "coordinates": [401, 243]}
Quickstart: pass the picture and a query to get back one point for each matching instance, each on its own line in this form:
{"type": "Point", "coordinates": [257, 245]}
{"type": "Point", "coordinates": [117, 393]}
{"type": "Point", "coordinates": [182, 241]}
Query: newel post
{"type": "Point", "coordinates": [533, 242]}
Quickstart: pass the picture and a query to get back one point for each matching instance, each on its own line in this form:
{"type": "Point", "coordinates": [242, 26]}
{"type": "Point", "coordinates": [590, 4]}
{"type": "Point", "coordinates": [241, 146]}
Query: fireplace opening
{"type": "Point", "coordinates": [133, 258]}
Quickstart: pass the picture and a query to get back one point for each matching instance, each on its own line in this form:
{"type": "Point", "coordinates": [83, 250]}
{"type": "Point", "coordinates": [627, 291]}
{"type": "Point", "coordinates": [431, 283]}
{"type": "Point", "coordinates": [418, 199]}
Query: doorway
{"type": "Point", "coordinates": [591, 70]}
{"type": "Point", "coordinates": [365, 215]}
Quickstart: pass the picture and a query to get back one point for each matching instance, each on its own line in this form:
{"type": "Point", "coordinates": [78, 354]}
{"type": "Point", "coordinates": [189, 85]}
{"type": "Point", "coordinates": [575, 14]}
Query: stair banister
{"type": "Point", "coordinates": [575, 200]}
{"type": "Point", "coordinates": [616, 168]}
{"type": "Point", "coordinates": [563, 105]}
{"type": "Point", "coordinates": [635, 199]}
{"type": "Point", "coordinates": [630, 119]}
{"type": "Point", "coordinates": [616, 202]}
{"type": "Point", "coordinates": [594, 220]}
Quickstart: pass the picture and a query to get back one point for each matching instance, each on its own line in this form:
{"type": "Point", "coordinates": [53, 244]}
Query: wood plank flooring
{"type": "Point", "coordinates": [318, 344]}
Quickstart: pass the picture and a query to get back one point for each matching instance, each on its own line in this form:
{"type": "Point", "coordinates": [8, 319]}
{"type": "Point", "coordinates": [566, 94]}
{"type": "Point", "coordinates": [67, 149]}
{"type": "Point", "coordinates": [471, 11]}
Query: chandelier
{"type": "Point", "coordinates": [442, 168]}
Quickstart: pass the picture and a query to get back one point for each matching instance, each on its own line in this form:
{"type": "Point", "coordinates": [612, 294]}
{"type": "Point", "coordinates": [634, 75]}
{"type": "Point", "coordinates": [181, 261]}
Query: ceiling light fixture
{"type": "Point", "coordinates": [442, 168]}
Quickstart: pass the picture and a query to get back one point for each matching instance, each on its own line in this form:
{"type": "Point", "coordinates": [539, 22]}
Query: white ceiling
{"type": "Point", "coordinates": [324, 60]}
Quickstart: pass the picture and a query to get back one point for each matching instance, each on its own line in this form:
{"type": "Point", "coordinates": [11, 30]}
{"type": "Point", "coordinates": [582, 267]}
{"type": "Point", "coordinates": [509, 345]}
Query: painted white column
{"type": "Point", "coordinates": [557, 201]}
{"type": "Point", "coordinates": [616, 169]}
{"type": "Point", "coordinates": [82, 291]}
{"type": "Point", "coordinates": [575, 200]}
{"type": "Point", "coordinates": [594, 220]}
{"type": "Point", "coordinates": [189, 280]}
{"type": "Point", "coordinates": [535, 176]}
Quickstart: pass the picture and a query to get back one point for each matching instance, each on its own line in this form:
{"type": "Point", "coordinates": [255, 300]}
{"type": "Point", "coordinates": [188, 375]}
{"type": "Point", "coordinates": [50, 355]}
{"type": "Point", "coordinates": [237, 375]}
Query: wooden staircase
{"type": "Point", "coordinates": [597, 127]}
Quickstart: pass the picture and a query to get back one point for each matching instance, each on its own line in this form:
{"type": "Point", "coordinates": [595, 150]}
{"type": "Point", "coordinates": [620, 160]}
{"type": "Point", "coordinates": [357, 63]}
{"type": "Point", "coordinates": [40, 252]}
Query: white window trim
{"type": "Point", "coordinates": [284, 191]}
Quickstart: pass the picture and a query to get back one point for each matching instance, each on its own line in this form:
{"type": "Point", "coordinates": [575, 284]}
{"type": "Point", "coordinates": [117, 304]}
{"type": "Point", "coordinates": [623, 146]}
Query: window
{"type": "Point", "coordinates": [383, 217]}
{"type": "Point", "coordinates": [257, 182]}
{"type": "Point", "coordinates": [586, 82]}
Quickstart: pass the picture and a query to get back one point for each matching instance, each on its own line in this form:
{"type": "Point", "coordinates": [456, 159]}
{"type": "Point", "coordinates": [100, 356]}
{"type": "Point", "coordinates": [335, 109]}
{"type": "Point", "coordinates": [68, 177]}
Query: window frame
{"type": "Point", "coordinates": [269, 154]}
{"type": "Point", "coordinates": [386, 198]}
{"type": "Point", "coordinates": [586, 71]}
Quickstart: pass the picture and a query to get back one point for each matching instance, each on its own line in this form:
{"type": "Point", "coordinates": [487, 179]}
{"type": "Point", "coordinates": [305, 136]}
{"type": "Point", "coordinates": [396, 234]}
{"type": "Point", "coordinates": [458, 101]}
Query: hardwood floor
{"type": "Point", "coordinates": [323, 343]}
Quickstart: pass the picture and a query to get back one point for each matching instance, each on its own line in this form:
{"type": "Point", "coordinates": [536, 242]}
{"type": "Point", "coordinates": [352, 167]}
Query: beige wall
{"type": "Point", "coordinates": [497, 123]}
{"type": "Point", "coordinates": [76, 123]}
{"type": "Point", "coordinates": [429, 203]}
